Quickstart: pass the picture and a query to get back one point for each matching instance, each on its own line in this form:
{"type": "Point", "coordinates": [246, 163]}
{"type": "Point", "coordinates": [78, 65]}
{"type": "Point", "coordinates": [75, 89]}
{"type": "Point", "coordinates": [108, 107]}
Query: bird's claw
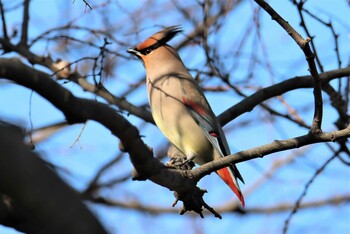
{"type": "Point", "coordinates": [180, 163]}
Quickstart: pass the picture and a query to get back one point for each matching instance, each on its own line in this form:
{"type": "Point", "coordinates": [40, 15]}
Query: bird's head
{"type": "Point", "coordinates": [155, 41]}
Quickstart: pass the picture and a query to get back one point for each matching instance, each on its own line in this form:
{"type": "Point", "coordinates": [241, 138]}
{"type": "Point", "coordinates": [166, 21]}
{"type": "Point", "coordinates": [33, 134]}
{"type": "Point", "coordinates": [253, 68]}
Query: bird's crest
{"type": "Point", "coordinates": [158, 39]}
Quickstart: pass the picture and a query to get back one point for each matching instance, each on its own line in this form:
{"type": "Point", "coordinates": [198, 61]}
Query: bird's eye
{"type": "Point", "coordinates": [147, 51]}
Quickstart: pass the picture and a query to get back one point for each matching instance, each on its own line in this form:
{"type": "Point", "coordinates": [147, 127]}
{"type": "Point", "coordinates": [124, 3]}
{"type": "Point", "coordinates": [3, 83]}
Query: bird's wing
{"type": "Point", "coordinates": [199, 108]}
{"type": "Point", "coordinates": [205, 121]}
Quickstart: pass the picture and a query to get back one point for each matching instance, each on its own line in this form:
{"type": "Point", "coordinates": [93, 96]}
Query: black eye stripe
{"type": "Point", "coordinates": [169, 35]}
{"type": "Point", "coordinates": [146, 51]}
{"type": "Point", "coordinates": [149, 49]}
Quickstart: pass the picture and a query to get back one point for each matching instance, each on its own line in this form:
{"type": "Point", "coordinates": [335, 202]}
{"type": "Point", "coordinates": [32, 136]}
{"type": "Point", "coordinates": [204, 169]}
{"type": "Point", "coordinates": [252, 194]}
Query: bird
{"type": "Point", "coordinates": [179, 107]}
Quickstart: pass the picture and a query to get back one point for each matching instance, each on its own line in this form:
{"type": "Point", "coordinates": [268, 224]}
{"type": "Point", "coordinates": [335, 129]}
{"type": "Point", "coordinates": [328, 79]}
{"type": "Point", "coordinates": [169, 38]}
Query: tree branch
{"type": "Point", "coordinates": [298, 202]}
{"type": "Point", "coordinates": [310, 58]}
{"type": "Point", "coordinates": [258, 97]}
{"type": "Point", "coordinates": [3, 19]}
{"type": "Point", "coordinates": [79, 110]}
{"type": "Point", "coordinates": [276, 146]}
{"type": "Point", "coordinates": [27, 207]}
{"type": "Point", "coordinates": [25, 23]}
{"type": "Point", "coordinates": [232, 208]}
{"type": "Point", "coordinates": [147, 167]}
{"type": "Point", "coordinates": [78, 79]}
{"type": "Point", "coordinates": [122, 103]}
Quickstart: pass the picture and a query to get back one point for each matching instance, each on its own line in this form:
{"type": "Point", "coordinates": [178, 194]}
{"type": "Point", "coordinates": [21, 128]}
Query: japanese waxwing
{"type": "Point", "coordinates": [179, 107]}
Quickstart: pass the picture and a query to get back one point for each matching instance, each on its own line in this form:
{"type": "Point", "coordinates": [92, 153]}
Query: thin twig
{"type": "Point", "coordinates": [25, 23]}
{"type": "Point", "coordinates": [310, 58]}
{"type": "Point", "coordinates": [297, 203]}
{"type": "Point", "coordinates": [275, 209]}
{"type": "Point", "coordinates": [336, 49]}
{"type": "Point", "coordinates": [303, 25]}
{"type": "Point", "coordinates": [86, 4]}
{"type": "Point", "coordinates": [4, 27]}
{"type": "Point", "coordinates": [250, 102]}
{"type": "Point", "coordinates": [77, 140]}
{"type": "Point", "coordinates": [93, 185]}
{"type": "Point", "coordinates": [275, 146]}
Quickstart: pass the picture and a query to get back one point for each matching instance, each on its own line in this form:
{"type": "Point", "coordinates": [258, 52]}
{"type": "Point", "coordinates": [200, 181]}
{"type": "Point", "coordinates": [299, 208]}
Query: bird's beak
{"type": "Point", "coordinates": [134, 51]}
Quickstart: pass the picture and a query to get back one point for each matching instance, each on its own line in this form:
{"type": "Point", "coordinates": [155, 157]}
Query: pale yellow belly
{"type": "Point", "coordinates": [178, 126]}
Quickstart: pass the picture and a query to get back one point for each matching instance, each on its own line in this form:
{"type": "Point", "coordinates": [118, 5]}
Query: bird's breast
{"type": "Point", "coordinates": [175, 121]}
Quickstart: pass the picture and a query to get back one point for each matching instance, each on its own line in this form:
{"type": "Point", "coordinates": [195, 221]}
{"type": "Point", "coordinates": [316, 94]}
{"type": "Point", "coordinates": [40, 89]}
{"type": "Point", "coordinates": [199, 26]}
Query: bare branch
{"type": "Point", "coordinates": [3, 19]}
{"type": "Point", "coordinates": [74, 53]}
{"type": "Point", "coordinates": [287, 207]}
{"type": "Point", "coordinates": [77, 78]}
{"type": "Point", "coordinates": [297, 204]}
{"type": "Point", "coordinates": [25, 23]}
{"type": "Point", "coordinates": [122, 103]}
{"type": "Point", "coordinates": [41, 134]}
{"type": "Point", "coordinates": [304, 45]}
{"type": "Point", "coordinates": [79, 110]}
{"type": "Point", "coordinates": [25, 205]}
{"type": "Point", "coordinates": [276, 146]}
{"type": "Point", "coordinates": [255, 99]}
{"type": "Point", "coordinates": [86, 4]}
{"type": "Point", "coordinates": [300, 6]}
{"type": "Point", "coordinates": [278, 208]}
{"type": "Point", "coordinates": [93, 185]}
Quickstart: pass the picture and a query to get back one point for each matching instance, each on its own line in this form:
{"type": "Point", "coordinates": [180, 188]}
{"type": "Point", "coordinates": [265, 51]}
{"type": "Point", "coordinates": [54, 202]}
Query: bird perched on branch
{"type": "Point", "coordinates": [179, 107]}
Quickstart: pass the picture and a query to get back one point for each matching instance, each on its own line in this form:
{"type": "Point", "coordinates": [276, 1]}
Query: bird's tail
{"type": "Point", "coordinates": [227, 175]}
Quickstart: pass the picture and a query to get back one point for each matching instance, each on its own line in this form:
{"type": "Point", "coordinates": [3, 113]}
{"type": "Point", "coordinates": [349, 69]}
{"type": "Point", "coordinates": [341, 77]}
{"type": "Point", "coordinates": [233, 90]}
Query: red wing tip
{"type": "Point", "coordinates": [194, 106]}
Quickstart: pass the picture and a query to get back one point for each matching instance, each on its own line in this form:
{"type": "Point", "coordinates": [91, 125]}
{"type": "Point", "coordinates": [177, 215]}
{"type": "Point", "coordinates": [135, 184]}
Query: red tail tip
{"type": "Point", "coordinates": [225, 175]}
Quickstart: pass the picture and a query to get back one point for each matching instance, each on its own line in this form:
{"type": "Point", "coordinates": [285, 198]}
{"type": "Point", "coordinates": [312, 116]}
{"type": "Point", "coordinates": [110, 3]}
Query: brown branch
{"type": "Point", "coordinates": [310, 58]}
{"type": "Point", "coordinates": [25, 23]}
{"type": "Point", "coordinates": [122, 103]}
{"type": "Point", "coordinates": [276, 146]}
{"type": "Point", "coordinates": [300, 6]}
{"type": "Point", "coordinates": [70, 26]}
{"type": "Point", "coordinates": [269, 173]}
{"type": "Point", "coordinates": [147, 167]}
{"type": "Point", "coordinates": [278, 208]}
{"type": "Point", "coordinates": [43, 209]}
{"type": "Point", "coordinates": [339, 104]}
{"type": "Point", "coordinates": [210, 20]}
{"type": "Point", "coordinates": [298, 202]}
{"type": "Point", "coordinates": [94, 185]}
{"type": "Point", "coordinates": [77, 140]}
{"type": "Point", "coordinates": [87, 4]}
{"type": "Point", "coordinates": [43, 133]}
{"type": "Point", "coordinates": [215, 70]}
{"type": "Point", "coordinates": [287, 207]}
{"type": "Point", "coordinates": [77, 78]}
{"type": "Point", "coordinates": [258, 97]}
{"type": "Point", "coordinates": [3, 19]}
{"type": "Point", "coordinates": [292, 111]}
{"type": "Point", "coordinates": [336, 97]}
{"type": "Point", "coordinates": [79, 110]}
{"type": "Point", "coordinates": [265, 106]}
{"type": "Point", "coordinates": [27, 54]}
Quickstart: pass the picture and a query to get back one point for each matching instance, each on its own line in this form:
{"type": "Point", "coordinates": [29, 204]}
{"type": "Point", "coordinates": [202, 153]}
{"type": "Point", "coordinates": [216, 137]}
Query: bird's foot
{"type": "Point", "coordinates": [180, 163]}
